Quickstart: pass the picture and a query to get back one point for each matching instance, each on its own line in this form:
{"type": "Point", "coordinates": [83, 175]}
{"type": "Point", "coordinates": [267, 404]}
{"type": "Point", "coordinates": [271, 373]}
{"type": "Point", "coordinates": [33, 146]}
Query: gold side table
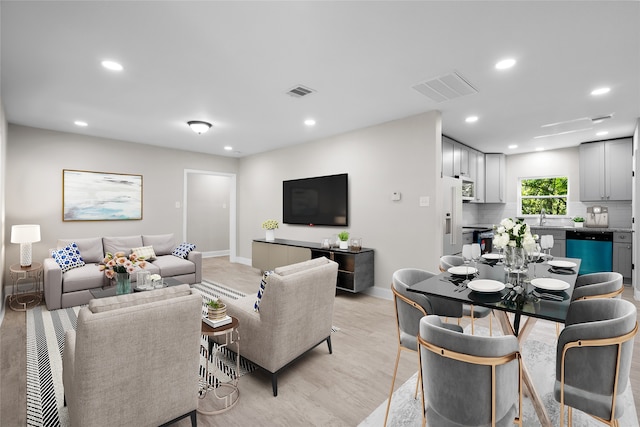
{"type": "Point", "coordinates": [21, 300]}
{"type": "Point", "coordinates": [226, 395]}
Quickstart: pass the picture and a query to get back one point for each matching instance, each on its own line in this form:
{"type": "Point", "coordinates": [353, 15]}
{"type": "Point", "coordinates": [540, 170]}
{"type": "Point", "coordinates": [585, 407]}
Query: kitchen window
{"type": "Point", "coordinates": [549, 193]}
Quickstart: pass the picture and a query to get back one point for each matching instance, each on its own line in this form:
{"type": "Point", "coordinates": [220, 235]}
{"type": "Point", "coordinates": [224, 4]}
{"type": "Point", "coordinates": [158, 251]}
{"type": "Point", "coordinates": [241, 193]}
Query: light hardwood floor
{"type": "Point", "coordinates": [320, 389]}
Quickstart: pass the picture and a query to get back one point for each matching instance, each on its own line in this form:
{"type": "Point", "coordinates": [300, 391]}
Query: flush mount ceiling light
{"type": "Point", "coordinates": [80, 123]}
{"type": "Point", "coordinates": [505, 64]}
{"type": "Point", "coordinates": [310, 122]}
{"type": "Point", "coordinates": [198, 126]}
{"type": "Point", "coordinates": [112, 65]}
{"type": "Point", "coordinates": [471, 119]}
{"type": "Point", "coordinates": [600, 91]}
{"type": "Point", "coordinates": [228, 147]}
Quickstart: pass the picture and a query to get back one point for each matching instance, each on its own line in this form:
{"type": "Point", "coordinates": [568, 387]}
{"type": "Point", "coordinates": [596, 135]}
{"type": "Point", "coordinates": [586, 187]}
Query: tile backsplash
{"type": "Point", "coordinates": [492, 213]}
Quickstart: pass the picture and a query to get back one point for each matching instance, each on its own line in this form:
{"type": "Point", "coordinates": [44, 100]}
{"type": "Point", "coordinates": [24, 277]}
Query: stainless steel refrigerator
{"type": "Point", "coordinates": [452, 216]}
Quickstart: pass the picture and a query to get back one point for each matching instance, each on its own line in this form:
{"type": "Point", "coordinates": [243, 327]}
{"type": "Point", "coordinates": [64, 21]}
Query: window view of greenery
{"type": "Point", "coordinates": [547, 193]}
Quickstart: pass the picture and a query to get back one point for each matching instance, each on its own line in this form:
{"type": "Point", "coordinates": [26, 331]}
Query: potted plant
{"type": "Point", "coordinates": [270, 225]}
{"type": "Point", "coordinates": [578, 222]}
{"type": "Point", "coordinates": [216, 309]}
{"type": "Point", "coordinates": [344, 239]}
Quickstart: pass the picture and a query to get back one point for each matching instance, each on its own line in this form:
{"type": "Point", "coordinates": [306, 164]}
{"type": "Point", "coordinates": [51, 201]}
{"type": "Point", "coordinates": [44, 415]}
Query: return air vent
{"type": "Point", "coordinates": [446, 87]}
{"type": "Point", "coordinates": [300, 91]}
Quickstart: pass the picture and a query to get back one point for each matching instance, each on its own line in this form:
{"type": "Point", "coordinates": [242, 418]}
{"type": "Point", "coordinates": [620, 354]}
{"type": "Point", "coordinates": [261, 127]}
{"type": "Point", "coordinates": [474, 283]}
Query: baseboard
{"type": "Point", "coordinates": [378, 292]}
{"type": "Point", "coordinates": [214, 254]}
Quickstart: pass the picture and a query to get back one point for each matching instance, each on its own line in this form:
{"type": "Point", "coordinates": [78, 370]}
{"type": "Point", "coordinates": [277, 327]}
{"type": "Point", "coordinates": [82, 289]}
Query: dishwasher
{"type": "Point", "coordinates": [594, 248]}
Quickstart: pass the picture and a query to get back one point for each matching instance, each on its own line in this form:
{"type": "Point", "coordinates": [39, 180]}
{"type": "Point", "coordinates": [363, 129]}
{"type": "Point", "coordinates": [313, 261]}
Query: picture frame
{"type": "Point", "coordinates": [101, 196]}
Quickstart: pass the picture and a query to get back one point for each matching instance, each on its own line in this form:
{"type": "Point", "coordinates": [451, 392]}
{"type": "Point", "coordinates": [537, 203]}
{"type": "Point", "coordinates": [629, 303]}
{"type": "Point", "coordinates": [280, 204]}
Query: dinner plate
{"type": "Point", "coordinates": [562, 264]}
{"type": "Point", "coordinates": [462, 270]}
{"type": "Point", "coordinates": [485, 285]}
{"type": "Point", "coordinates": [492, 256]}
{"type": "Point", "coordinates": [550, 284]}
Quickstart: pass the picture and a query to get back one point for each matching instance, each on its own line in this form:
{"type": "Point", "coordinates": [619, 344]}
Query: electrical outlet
{"type": "Point", "coordinates": [424, 201]}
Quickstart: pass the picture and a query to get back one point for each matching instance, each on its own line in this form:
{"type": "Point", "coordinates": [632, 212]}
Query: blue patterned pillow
{"type": "Point", "coordinates": [68, 257]}
{"type": "Point", "coordinates": [183, 249]}
{"type": "Point", "coordinates": [263, 284]}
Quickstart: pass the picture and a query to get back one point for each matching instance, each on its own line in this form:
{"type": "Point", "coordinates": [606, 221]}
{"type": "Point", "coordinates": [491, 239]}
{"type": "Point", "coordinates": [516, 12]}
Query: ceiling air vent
{"type": "Point", "coordinates": [299, 91]}
{"type": "Point", "coordinates": [601, 118]}
{"type": "Point", "coordinates": [446, 87]}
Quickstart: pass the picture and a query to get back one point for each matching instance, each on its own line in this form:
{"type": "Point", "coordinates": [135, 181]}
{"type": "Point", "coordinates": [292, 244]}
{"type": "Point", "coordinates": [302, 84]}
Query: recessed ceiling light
{"type": "Point", "coordinates": [310, 122]}
{"type": "Point", "coordinates": [112, 65]}
{"type": "Point", "coordinates": [505, 64]}
{"type": "Point", "coordinates": [540, 149]}
{"type": "Point", "coordinates": [600, 91]}
{"type": "Point", "coordinates": [602, 133]}
{"type": "Point", "coordinates": [228, 147]}
{"type": "Point", "coordinates": [80, 123]}
{"type": "Point", "coordinates": [471, 119]}
{"type": "Point", "coordinates": [512, 146]}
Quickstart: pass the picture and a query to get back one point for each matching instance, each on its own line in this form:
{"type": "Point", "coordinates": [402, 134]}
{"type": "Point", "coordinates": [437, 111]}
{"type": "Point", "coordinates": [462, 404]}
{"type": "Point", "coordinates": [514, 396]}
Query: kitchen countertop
{"type": "Point", "coordinates": [585, 229]}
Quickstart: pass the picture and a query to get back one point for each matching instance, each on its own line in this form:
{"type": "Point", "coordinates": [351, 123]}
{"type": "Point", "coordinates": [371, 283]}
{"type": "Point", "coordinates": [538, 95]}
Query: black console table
{"type": "Point", "coordinates": [355, 268]}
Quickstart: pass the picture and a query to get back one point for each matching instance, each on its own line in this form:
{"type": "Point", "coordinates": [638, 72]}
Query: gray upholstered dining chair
{"type": "Point", "coordinates": [410, 307]}
{"type": "Point", "coordinates": [454, 363]}
{"type": "Point", "coordinates": [606, 284]}
{"type": "Point", "coordinates": [468, 310]}
{"type": "Point", "coordinates": [593, 357]}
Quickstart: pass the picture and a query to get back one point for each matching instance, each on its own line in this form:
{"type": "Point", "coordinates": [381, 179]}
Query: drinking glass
{"type": "Point", "coordinates": [466, 255]}
{"type": "Point", "coordinates": [533, 256]}
{"type": "Point", "coordinates": [476, 251]}
{"type": "Point", "coordinates": [550, 246]}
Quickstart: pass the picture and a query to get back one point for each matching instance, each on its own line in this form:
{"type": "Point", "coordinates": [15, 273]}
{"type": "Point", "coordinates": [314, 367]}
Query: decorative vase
{"type": "Point", "coordinates": [578, 224]}
{"type": "Point", "coordinates": [344, 244]}
{"type": "Point", "coordinates": [123, 283]}
{"type": "Point", "coordinates": [217, 313]}
{"type": "Point", "coordinates": [514, 259]}
{"type": "Point", "coordinates": [271, 235]}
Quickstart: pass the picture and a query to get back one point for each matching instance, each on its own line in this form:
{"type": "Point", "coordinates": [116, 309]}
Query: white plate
{"type": "Point", "coordinates": [462, 270]}
{"type": "Point", "coordinates": [550, 284]}
{"type": "Point", "coordinates": [492, 256]}
{"type": "Point", "coordinates": [562, 264]}
{"type": "Point", "coordinates": [485, 285]}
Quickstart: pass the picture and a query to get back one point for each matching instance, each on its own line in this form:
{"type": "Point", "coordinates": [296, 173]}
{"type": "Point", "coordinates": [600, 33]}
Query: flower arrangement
{"type": "Point", "coordinates": [270, 224]}
{"type": "Point", "coordinates": [514, 233]}
{"type": "Point", "coordinates": [120, 263]}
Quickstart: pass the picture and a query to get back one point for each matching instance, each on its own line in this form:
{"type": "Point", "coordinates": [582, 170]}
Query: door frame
{"type": "Point", "coordinates": [232, 206]}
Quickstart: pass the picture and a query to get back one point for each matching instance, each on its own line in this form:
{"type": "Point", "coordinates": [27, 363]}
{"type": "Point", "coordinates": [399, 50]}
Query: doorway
{"type": "Point", "coordinates": [209, 212]}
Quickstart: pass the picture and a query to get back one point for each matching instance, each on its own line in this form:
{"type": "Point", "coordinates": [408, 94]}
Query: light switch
{"type": "Point", "coordinates": [177, 205]}
{"type": "Point", "coordinates": [424, 201]}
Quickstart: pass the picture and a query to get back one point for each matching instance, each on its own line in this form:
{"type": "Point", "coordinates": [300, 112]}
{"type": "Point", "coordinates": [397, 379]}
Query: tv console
{"type": "Point", "coordinates": [355, 268]}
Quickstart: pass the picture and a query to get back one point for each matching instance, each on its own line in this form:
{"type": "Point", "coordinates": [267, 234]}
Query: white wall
{"type": "Point", "coordinates": [3, 180]}
{"type": "Point", "coordinates": [402, 155]}
{"type": "Point", "coordinates": [36, 158]}
{"type": "Point", "coordinates": [208, 199]}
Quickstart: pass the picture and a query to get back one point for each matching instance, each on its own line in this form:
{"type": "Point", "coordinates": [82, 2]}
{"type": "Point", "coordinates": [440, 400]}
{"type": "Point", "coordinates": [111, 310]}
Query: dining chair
{"type": "Point", "coordinates": [453, 364]}
{"type": "Point", "coordinates": [593, 358]}
{"type": "Point", "coordinates": [468, 310]}
{"type": "Point", "coordinates": [606, 284]}
{"type": "Point", "coordinates": [410, 307]}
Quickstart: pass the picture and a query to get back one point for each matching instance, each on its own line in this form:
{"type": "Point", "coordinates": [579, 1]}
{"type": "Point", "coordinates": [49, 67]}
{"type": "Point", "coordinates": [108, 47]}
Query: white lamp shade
{"type": "Point", "coordinates": [198, 126]}
{"type": "Point", "coordinates": [27, 233]}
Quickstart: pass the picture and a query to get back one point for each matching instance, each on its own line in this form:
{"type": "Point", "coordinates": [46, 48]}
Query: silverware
{"type": "Point", "coordinates": [545, 295]}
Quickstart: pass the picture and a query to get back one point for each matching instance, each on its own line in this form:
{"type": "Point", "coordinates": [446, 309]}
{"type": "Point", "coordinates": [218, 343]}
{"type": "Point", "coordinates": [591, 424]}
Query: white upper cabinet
{"type": "Point", "coordinates": [460, 160]}
{"type": "Point", "coordinates": [605, 170]}
{"type": "Point", "coordinates": [495, 171]}
{"type": "Point", "coordinates": [447, 156]}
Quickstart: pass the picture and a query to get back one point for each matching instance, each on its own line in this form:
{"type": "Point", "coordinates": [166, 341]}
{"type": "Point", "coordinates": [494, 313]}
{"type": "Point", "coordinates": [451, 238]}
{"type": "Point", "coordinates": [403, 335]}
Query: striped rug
{"type": "Point", "coordinates": [45, 345]}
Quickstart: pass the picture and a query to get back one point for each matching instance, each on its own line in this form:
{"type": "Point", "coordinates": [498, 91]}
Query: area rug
{"type": "Point", "coordinates": [540, 359]}
{"type": "Point", "coordinates": [45, 345]}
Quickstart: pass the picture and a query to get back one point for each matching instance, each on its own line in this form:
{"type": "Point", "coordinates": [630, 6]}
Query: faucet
{"type": "Point", "coordinates": [543, 216]}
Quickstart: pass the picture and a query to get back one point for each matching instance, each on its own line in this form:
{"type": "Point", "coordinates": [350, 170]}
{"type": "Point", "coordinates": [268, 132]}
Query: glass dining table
{"type": "Point", "coordinates": [543, 291]}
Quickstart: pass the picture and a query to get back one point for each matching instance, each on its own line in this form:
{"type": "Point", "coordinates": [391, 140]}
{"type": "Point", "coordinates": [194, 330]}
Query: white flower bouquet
{"type": "Point", "coordinates": [270, 224]}
{"type": "Point", "coordinates": [514, 233]}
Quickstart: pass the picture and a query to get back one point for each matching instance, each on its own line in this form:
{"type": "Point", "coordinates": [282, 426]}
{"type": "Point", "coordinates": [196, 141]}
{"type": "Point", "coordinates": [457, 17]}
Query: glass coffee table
{"type": "Point", "coordinates": [111, 290]}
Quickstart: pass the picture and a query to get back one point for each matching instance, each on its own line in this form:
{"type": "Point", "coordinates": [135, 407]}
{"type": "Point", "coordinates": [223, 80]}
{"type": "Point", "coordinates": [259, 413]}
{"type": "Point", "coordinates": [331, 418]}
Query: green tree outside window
{"type": "Point", "coordinates": [548, 193]}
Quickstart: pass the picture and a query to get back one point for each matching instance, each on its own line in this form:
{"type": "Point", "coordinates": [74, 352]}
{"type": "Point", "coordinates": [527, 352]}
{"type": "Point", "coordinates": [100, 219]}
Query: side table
{"type": "Point", "coordinates": [226, 394]}
{"type": "Point", "coordinates": [25, 299]}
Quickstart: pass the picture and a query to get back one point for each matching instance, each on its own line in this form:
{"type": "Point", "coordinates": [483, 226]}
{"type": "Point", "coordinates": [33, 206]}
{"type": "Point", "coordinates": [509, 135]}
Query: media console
{"type": "Point", "coordinates": [355, 268]}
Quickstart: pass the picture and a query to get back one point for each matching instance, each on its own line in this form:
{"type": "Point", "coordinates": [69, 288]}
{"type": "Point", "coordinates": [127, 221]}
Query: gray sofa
{"type": "Point", "coordinates": [133, 359]}
{"type": "Point", "coordinates": [71, 288]}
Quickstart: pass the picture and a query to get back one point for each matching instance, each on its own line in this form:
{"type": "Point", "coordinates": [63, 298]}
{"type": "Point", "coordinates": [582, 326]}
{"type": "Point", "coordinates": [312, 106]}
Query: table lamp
{"type": "Point", "coordinates": [25, 235]}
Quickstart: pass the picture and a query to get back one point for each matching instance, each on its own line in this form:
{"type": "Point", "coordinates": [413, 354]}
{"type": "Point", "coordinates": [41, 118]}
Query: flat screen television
{"type": "Point", "coordinates": [321, 200]}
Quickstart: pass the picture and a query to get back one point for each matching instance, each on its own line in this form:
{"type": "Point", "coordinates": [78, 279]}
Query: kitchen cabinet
{"type": "Point", "coordinates": [476, 173]}
{"type": "Point", "coordinates": [622, 255]}
{"type": "Point", "coordinates": [606, 170]}
{"type": "Point", "coordinates": [447, 156]}
{"type": "Point", "coordinates": [495, 172]}
{"type": "Point", "coordinates": [455, 158]}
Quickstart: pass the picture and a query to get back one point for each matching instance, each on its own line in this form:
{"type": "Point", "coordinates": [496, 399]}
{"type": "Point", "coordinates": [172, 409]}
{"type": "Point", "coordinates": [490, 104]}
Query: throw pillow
{"type": "Point", "coordinates": [144, 252]}
{"type": "Point", "coordinates": [183, 249]}
{"type": "Point", "coordinates": [68, 257]}
{"type": "Point", "coordinates": [263, 284]}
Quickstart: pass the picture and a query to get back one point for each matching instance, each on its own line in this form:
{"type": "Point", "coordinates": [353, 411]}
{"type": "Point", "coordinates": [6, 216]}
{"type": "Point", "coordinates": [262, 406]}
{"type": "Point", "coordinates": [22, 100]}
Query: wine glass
{"type": "Point", "coordinates": [533, 256]}
{"type": "Point", "coordinates": [476, 251]}
{"type": "Point", "coordinates": [550, 245]}
{"type": "Point", "coordinates": [544, 243]}
{"type": "Point", "coordinates": [466, 255]}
